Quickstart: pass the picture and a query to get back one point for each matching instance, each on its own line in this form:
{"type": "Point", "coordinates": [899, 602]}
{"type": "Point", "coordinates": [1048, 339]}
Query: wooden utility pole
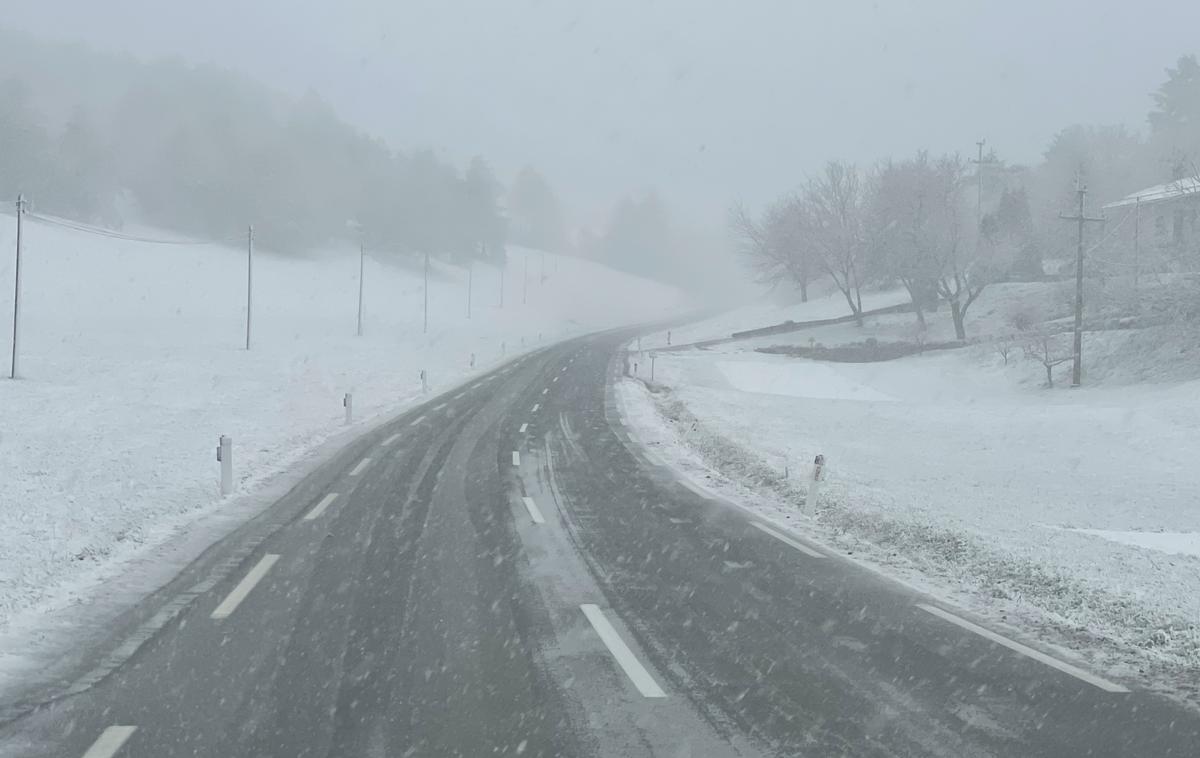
{"type": "Point", "coordinates": [979, 164]}
{"type": "Point", "coordinates": [17, 289]}
{"type": "Point", "coordinates": [362, 255]}
{"type": "Point", "coordinates": [425, 328]}
{"type": "Point", "coordinates": [249, 281]}
{"type": "Point", "coordinates": [1080, 218]}
{"type": "Point", "coordinates": [1137, 233]}
{"type": "Point", "coordinates": [470, 277]}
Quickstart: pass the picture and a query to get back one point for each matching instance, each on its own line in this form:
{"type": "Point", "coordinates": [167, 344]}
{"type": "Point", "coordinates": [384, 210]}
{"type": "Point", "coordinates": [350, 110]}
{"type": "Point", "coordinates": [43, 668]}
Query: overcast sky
{"type": "Point", "coordinates": [707, 101]}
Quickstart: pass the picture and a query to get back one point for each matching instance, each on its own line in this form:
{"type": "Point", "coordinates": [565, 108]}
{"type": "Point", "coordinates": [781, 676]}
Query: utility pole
{"type": "Point", "coordinates": [525, 291]}
{"type": "Point", "coordinates": [1137, 223]}
{"type": "Point", "coordinates": [979, 164]}
{"type": "Point", "coordinates": [362, 255]}
{"type": "Point", "coordinates": [425, 329]}
{"type": "Point", "coordinates": [543, 279]}
{"type": "Point", "coordinates": [249, 280]}
{"type": "Point", "coordinates": [17, 288]}
{"type": "Point", "coordinates": [470, 277]}
{"type": "Point", "coordinates": [1081, 218]}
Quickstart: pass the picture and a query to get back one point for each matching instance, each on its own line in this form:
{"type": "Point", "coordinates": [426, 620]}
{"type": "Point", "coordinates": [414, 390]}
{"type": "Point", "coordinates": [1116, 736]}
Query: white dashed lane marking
{"type": "Point", "coordinates": [516, 458]}
{"type": "Point", "coordinates": [391, 439]}
{"type": "Point", "coordinates": [535, 407]}
{"type": "Point", "coordinates": [523, 428]}
{"type": "Point", "coordinates": [786, 540]}
{"type": "Point", "coordinates": [321, 506]}
{"type": "Point", "coordinates": [625, 658]}
{"type": "Point", "coordinates": [361, 465]}
{"type": "Point", "coordinates": [416, 421]}
{"type": "Point", "coordinates": [1025, 650]}
{"type": "Point", "coordinates": [534, 512]}
{"type": "Point", "coordinates": [235, 598]}
{"type": "Point", "coordinates": [545, 390]}
{"type": "Point", "coordinates": [110, 741]}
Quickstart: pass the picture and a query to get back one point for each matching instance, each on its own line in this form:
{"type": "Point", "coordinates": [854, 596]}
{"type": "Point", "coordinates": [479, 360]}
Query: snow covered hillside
{"type": "Point", "coordinates": [1069, 511]}
{"type": "Point", "coordinates": [133, 362]}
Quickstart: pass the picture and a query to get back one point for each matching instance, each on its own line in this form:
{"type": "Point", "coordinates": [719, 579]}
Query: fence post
{"type": "Point", "coordinates": [225, 458]}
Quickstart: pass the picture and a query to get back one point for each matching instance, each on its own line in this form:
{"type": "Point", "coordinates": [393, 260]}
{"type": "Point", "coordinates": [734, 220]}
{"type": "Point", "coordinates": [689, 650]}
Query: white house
{"type": "Point", "coordinates": [1162, 224]}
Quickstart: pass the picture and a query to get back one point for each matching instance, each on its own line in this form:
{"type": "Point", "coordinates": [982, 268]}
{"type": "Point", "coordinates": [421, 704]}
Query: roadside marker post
{"type": "Point", "coordinates": [225, 458]}
{"type": "Point", "coordinates": [814, 485]}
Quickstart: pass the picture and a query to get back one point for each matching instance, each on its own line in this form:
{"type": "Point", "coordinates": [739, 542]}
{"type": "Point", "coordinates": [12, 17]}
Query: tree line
{"type": "Point", "coordinates": [206, 152]}
{"type": "Point", "coordinates": [944, 227]}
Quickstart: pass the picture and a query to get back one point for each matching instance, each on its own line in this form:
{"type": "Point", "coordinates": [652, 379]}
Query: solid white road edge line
{"type": "Point", "coordinates": [235, 598]}
{"type": "Point", "coordinates": [516, 458]}
{"type": "Point", "coordinates": [786, 540]}
{"type": "Point", "coordinates": [534, 512]}
{"type": "Point", "coordinates": [523, 428]}
{"type": "Point", "coordinates": [110, 741]}
{"type": "Point", "coordinates": [1025, 650]}
{"type": "Point", "coordinates": [628, 662]}
{"type": "Point", "coordinates": [391, 439]}
{"type": "Point", "coordinates": [361, 465]}
{"type": "Point", "coordinates": [321, 506]}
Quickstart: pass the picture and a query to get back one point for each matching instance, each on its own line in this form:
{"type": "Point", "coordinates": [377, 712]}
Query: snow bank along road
{"type": "Point", "coordinates": [503, 572]}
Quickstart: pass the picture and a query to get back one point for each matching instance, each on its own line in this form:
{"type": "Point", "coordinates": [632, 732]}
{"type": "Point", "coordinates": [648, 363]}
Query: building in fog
{"type": "Point", "coordinates": [1158, 228]}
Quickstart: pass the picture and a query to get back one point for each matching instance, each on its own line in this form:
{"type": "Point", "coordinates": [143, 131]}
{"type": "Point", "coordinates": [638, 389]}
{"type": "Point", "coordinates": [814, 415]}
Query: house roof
{"type": "Point", "coordinates": [1160, 192]}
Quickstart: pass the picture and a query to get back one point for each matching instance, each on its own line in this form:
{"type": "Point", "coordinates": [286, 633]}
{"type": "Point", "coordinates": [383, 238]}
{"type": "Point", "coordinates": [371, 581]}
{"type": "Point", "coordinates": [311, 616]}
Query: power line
{"type": "Point", "coordinates": [79, 226]}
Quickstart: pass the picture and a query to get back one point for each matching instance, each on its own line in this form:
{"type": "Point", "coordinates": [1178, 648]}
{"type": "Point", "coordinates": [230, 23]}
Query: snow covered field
{"type": "Point", "coordinates": [1072, 512]}
{"type": "Point", "coordinates": [133, 362]}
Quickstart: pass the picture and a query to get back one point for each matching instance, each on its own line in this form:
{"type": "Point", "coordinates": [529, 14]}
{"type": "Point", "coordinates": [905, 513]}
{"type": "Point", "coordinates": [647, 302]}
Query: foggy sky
{"type": "Point", "coordinates": [706, 101]}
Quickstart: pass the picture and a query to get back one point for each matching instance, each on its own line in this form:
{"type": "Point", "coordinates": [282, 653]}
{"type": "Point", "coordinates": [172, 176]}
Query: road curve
{"type": "Point", "coordinates": [503, 571]}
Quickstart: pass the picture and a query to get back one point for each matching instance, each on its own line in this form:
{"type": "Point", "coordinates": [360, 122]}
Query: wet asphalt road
{"type": "Point", "coordinates": [503, 572]}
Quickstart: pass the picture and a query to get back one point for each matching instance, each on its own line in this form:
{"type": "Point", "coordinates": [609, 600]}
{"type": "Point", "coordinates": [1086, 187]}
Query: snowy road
{"type": "Point", "coordinates": [503, 572]}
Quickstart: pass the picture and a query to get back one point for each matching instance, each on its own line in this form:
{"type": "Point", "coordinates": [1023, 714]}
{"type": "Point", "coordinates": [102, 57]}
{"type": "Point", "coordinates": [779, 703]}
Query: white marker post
{"type": "Point", "coordinates": [424, 381]}
{"type": "Point", "coordinates": [348, 403]}
{"type": "Point", "coordinates": [652, 358]}
{"type": "Point", "coordinates": [225, 458]}
{"type": "Point", "coordinates": [814, 485]}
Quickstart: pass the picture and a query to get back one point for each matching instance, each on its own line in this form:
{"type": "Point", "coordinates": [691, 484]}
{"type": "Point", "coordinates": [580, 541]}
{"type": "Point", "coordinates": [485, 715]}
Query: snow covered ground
{"type": "Point", "coordinates": [1069, 512]}
{"type": "Point", "coordinates": [133, 362]}
{"type": "Point", "coordinates": [822, 305]}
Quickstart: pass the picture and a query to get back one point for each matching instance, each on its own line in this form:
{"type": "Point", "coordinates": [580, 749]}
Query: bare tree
{"type": "Point", "coordinates": [833, 210]}
{"type": "Point", "coordinates": [921, 235]}
{"type": "Point", "coordinates": [1049, 350]}
{"type": "Point", "coordinates": [773, 246]}
{"type": "Point", "coordinates": [1004, 347]}
{"type": "Point", "coordinates": [899, 227]}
